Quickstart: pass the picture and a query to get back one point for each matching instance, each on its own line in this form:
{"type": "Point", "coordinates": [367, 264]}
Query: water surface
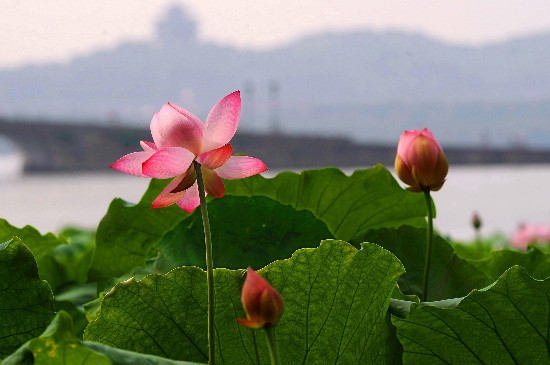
{"type": "Point", "coordinates": [504, 196]}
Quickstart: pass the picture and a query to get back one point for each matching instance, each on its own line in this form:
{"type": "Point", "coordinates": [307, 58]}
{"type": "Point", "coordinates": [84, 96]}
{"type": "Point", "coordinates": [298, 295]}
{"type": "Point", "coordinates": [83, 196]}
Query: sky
{"type": "Point", "coordinates": [58, 30]}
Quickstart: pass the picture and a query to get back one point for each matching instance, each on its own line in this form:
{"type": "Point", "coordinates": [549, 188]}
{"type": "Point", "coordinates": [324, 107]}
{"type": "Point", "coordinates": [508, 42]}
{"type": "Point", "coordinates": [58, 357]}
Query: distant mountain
{"type": "Point", "coordinates": [366, 85]}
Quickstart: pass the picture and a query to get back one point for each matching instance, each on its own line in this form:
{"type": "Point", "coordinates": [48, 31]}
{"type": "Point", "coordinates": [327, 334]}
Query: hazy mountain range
{"type": "Point", "coordinates": [369, 86]}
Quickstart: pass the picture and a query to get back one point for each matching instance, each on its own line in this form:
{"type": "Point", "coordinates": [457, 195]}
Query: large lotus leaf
{"type": "Point", "coordinates": [58, 345]}
{"type": "Point", "coordinates": [534, 261]}
{"type": "Point", "coordinates": [506, 323]}
{"type": "Point", "coordinates": [450, 276]}
{"type": "Point", "coordinates": [349, 205]}
{"type": "Point", "coordinates": [128, 232]}
{"type": "Point", "coordinates": [246, 231]}
{"type": "Point", "coordinates": [26, 302]}
{"type": "Point", "coordinates": [336, 298]}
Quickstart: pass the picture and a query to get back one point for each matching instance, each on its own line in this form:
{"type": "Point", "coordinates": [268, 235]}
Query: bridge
{"type": "Point", "coordinates": [57, 147]}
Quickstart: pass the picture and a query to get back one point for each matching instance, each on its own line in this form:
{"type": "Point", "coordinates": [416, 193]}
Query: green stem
{"type": "Point", "coordinates": [271, 345]}
{"type": "Point", "coordinates": [209, 264]}
{"type": "Point", "coordinates": [428, 246]}
{"type": "Point", "coordinates": [479, 245]}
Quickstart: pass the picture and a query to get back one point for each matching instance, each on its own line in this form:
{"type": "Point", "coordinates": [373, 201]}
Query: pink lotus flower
{"type": "Point", "coordinates": [420, 161]}
{"type": "Point", "coordinates": [181, 138]}
{"type": "Point", "coordinates": [529, 233]}
{"type": "Point", "coordinates": [262, 303]}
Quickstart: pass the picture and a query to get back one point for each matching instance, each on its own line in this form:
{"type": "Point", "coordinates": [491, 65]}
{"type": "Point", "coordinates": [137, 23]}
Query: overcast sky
{"type": "Point", "coordinates": [55, 30]}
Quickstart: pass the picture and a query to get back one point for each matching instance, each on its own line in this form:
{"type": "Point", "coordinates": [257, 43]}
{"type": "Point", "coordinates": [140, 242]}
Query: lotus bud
{"type": "Point", "coordinates": [420, 161]}
{"type": "Point", "coordinates": [262, 303]}
{"type": "Point", "coordinates": [476, 221]}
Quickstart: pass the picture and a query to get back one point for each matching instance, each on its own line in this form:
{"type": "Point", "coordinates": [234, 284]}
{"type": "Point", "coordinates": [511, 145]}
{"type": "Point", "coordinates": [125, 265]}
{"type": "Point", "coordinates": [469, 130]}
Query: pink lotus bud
{"type": "Point", "coordinates": [420, 161]}
{"type": "Point", "coordinates": [262, 303]}
{"type": "Point", "coordinates": [476, 221]}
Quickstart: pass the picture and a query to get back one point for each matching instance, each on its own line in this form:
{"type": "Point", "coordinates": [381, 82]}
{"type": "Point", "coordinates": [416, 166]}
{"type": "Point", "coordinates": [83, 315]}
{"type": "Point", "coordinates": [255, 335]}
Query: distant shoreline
{"type": "Point", "coordinates": [60, 147]}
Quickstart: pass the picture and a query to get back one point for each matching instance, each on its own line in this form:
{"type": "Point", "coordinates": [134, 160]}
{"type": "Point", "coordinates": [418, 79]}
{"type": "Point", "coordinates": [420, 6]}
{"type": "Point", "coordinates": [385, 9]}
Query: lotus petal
{"type": "Point", "coordinates": [131, 163]}
{"type": "Point", "coordinates": [238, 167]}
{"type": "Point", "coordinates": [212, 183]}
{"type": "Point", "coordinates": [190, 199]}
{"type": "Point", "coordinates": [166, 197]}
{"type": "Point", "coordinates": [168, 162]}
{"type": "Point", "coordinates": [148, 146]}
{"type": "Point", "coordinates": [215, 158]}
{"type": "Point", "coordinates": [222, 122]}
{"type": "Point", "coordinates": [176, 127]}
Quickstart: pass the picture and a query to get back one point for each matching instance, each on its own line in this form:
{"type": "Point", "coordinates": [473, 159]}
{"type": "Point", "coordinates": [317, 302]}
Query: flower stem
{"type": "Point", "coordinates": [479, 244]}
{"type": "Point", "coordinates": [209, 264]}
{"type": "Point", "coordinates": [428, 246]}
{"type": "Point", "coordinates": [271, 345]}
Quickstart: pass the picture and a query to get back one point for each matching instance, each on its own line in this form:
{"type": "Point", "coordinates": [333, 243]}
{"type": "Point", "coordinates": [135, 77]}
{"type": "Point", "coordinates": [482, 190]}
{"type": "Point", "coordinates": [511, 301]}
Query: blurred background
{"type": "Point", "coordinates": [323, 83]}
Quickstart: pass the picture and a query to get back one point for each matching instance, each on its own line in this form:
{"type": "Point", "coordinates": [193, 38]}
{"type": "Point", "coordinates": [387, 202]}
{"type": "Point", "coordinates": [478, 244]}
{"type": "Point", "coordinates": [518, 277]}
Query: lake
{"type": "Point", "coordinates": [504, 196]}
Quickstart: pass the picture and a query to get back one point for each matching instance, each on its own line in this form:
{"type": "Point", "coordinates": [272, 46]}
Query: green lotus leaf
{"type": "Point", "coordinates": [505, 323]}
{"type": "Point", "coordinates": [40, 245]}
{"type": "Point", "coordinates": [67, 264]}
{"type": "Point", "coordinates": [128, 235]}
{"type": "Point", "coordinates": [450, 276]}
{"type": "Point", "coordinates": [58, 345]}
{"type": "Point", "coordinates": [128, 232]}
{"type": "Point", "coordinates": [349, 205]}
{"type": "Point", "coordinates": [26, 302]}
{"type": "Point", "coordinates": [534, 261]}
{"type": "Point", "coordinates": [246, 231]}
{"type": "Point", "coordinates": [336, 299]}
